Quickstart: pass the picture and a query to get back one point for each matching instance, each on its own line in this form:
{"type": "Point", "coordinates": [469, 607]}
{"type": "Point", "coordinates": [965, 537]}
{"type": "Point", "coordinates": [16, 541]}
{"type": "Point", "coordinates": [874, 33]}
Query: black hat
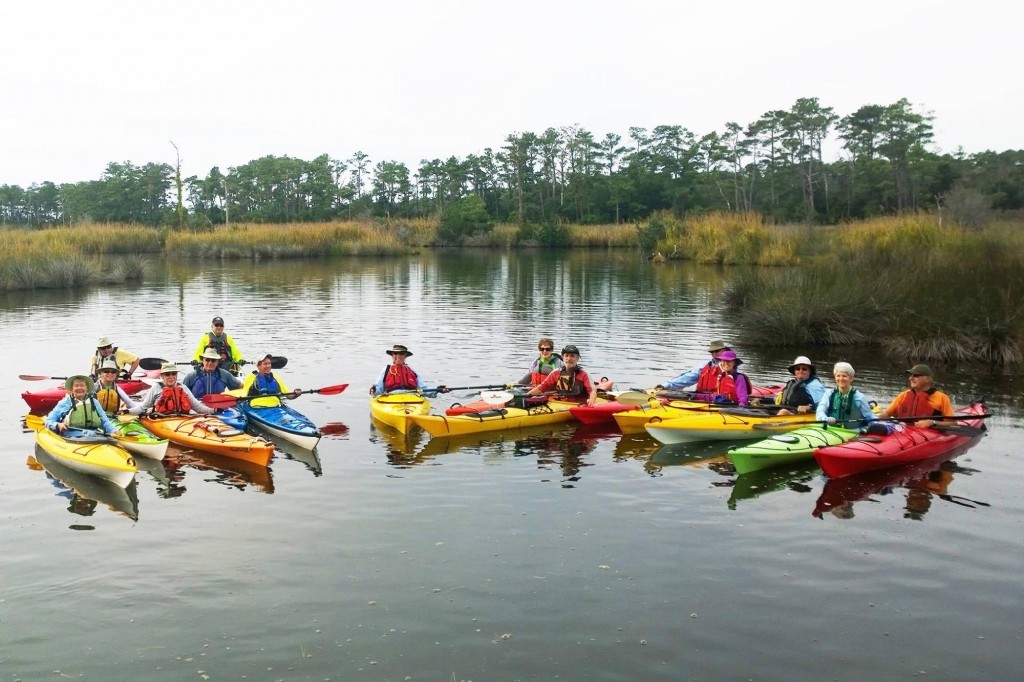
{"type": "Point", "coordinates": [400, 349]}
{"type": "Point", "coordinates": [218, 320]}
{"type": "Point", "coordinates": [920, 370]}
{"type": "Point", "coordinates": [571, 350]}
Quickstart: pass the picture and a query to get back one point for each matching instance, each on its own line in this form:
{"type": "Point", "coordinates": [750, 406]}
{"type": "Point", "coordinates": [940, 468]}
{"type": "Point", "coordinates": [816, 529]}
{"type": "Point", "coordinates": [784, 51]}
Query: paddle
{"type": "Point", "coordinates": [39, 377]}
{"type": "Point", "coordinates": [493, 387]}
{"type": "Point", "coordinates": [496, 398]}
{"type": "Point", "coordinates": [633, 398]}
{"type": "Point", "coordinates": [225, 400]}
{"type": "Point", "coordinates": [276, 362]}
{"type": "Point", "coordinates": [959, 429]}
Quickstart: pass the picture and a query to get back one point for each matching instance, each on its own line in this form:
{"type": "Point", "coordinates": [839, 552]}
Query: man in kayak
{"type": "Point", "coordinates": [210, 378]}
{"type": "Point", "coordinates": [262, 381]}
{"type": "Point", "coordinates": [844, 403]}
{"type": "Point", "coordinates": [547, 362]}
{"type": "Point", "coordinates": [105, 350]}
{"type": "Point", "coordinates": [111, 397]}
{"type": "Point", "coordinates": [804, 391]}
{"type": "Point", "coordinates": [170, 397]}
{"type": "Point", "coordinates": [705, 375]}
{"type": "Point", "coordinates": [399, 376]}
{"type": "Point", "coordinates": [920, 400]}
{"type": "Point", "coordinates": [570, 382]}
{"type": "Point", "coordinates": [221, 342]}
{"type": "Point", "coordinates": [79, 409]}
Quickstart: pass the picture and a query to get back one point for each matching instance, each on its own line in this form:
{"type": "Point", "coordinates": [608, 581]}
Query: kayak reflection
{"type": "Point", "coordinates": [84, 492]}
{"type": "Point", "coordinates": [754, 484]}
{"type": "Point", "coordinates": [401, 447]}
{"type": "Point", "coordinates": [696, 453]}
{"type": "Point", "coordinates": [226, 471]}
{"type": "Point", "coordinates": [168, 479]}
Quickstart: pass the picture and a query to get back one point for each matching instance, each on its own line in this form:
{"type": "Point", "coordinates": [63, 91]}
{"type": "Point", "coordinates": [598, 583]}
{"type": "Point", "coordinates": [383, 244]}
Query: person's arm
{"type": "Point", "coordinates": [549, 382]}
{"type": "Point", "coordinates": [865, 407]}
{"type": "Point", "coordinates": [591, 388]}
{"type": "Point", "coordinates": [236, 355]}
{"type": "Point", "coordinates": [59, 411]}
{"type": "Point", "coordinates": [822, 412]}
{"type": "Point", "coordinates": [230, 380]}
{"type": "Point", "coordinates": [126, 358]}
{"type": "Point", "coordinates": [685, 379]}
{"type": "Point", "coordinates": [250, 379]}
{"type": "Point", "coordinates": [742, 396]}
{"type": "Point", "coordinates": [198, 406]}
{"type": "Point", "coordinates": [147, 401]}
{"type": "Point", "coordinates": [528, 377]}
{"type": "Point", "coordinates": [198, 355]}
{"type": "Point", "coordinates": [129, 404]}
{"type": "Point", "coordinates": [893, 407]}
{"type": "Point", "coordinates": [378, 385]}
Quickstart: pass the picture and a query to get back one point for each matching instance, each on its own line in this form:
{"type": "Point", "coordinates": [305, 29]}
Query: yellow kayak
{"type": "Point", "coordinates": [633, 421]}
{"type": "Point", "coordinates": [89, 453]}
{"type": "Point", "coordinates": [498, 419]}
{"type": "Point", "coordinates": [397, 409]}
{"type": "Point", "coordinates": [732, 423]}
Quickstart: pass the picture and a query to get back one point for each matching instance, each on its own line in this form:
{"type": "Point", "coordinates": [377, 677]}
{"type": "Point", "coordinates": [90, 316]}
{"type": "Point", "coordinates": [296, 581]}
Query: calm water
{"type": "Point", "coordinates": [558, 554]}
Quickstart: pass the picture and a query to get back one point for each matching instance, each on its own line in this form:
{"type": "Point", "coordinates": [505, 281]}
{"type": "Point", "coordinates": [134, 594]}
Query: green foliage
{"type": "Point", "coordinates": [650, 233]}
{"type": "Point", "coordinates": [464, 218]}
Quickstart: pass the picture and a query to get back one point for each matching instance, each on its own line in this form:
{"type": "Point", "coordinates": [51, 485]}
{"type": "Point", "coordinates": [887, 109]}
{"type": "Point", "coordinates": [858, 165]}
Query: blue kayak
{"type": "Point", "coordinates": [283, 422]}
{"type": "Point", "coordinates": [232, 416]}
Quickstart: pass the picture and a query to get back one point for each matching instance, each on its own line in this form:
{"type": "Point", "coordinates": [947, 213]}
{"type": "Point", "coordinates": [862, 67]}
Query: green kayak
{"type": "Point", "coordinates": [785, 448]}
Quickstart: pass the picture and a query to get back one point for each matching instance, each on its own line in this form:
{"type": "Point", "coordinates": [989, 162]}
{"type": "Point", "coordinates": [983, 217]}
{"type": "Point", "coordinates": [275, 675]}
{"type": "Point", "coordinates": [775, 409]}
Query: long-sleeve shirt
{"type": "Point", "coordinates": [687, 378]}
{"type": "Point", "coordinates": [153, 394]}
{"type": "Point", "coordinates": [61, 410]}
{"type": "Point", "coordinates": [263, 402]}
{"type": "Point", "coordinates": [234, 355]}
{"type": "Point", "coordinates": [860, 409]}
{"type": "Point", "coordinates": [209, 383]}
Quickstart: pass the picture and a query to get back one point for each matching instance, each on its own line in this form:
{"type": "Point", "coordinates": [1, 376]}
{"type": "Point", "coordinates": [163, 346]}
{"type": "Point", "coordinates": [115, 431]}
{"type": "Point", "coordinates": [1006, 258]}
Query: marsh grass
{"type": "Point", "coordinates": [727, 239]}
{"type": "Point", "coordinates": [622, 236]}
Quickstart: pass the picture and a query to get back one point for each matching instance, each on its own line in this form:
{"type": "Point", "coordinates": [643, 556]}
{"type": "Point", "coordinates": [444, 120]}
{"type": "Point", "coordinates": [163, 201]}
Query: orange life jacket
{"type": "Point", "coordinates": [400, 377]}
{"type": "Point", "coordinates": [918, 404]}
{"type": "Point", "coordinates": [172, 400]}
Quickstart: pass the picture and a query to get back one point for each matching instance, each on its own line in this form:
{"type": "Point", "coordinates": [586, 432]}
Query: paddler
{"type": "Point", "coordinates": [704, 375]}
{"type": "Point", "coordinates": [210, 377]}
{"type": "Point", "coordinates": [106, 350]}
{"type": "Point", "coordinates": [569, 382]}
{"type": "Point", "coordinates": [169, 397]}
{"type": "Point", "coordinates": [920, 400]}
{"type": "Point", "coordinates": [221, 342]}
{"type": "Point", "coordinates": [547, 362]}
{"type": "Point", "coordinates": [732, 385]}
{"type": "Point", "coordinates": [262, 381]}
{"type": "Point", "coordinates": [844, 403]}
{"type": "Point", "coordinates": [804, 391]}
{"type": "Point", "coordinates": [111, 396]}
{"type": "Point", "coordinates": [79, 409]}
{"type": "Point", "coordinates": [399, 376]}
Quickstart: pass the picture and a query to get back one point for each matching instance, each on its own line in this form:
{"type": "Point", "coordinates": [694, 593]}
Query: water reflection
{"type": "Point", "coordinates": [400, 448]}
{"type": "Point", "coordinates": [169, 480]}
{"type": "Point", "coordinates": [233, 473]}
{"type": "Point", "coordinates": [83, 492]}
{"type": "Point", "coordinates": [754, 484]}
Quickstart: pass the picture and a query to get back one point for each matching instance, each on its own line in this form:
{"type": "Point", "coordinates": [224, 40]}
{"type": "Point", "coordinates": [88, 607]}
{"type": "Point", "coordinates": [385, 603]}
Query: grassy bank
{"type": "Point", "coordinates": [74, 257]}
{"type": "Point", "coordinates": [718, 239]}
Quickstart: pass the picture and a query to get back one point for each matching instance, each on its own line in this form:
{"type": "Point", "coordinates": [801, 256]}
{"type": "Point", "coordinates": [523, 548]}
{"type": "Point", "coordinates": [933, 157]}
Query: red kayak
{"type": "Point", "coordinates": [46, 399]}
{"type": "Point", "coordinates": [481, 406]}
{"type": "Point", "coordinates": [904, 445]}
{"type": "Point", "coordinates": [604, 413]}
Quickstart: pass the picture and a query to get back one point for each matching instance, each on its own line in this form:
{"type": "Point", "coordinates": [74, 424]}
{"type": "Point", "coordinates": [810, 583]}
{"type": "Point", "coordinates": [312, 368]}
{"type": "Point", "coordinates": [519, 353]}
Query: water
{"type": "Point", "coordinates": [558, 553]}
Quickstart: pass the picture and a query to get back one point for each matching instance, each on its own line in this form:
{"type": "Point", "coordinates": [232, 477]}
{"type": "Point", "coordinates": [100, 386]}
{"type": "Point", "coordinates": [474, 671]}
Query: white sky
{"type": "Point", "coordinates": [84, 82]}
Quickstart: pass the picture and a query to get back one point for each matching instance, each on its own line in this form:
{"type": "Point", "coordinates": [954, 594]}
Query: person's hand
{"type": "Point", "coordinates": [442, 389]}
{"type": "Point", "coordinates": [61, 427]}
{"type": "Point", "coordinates": [297, 392]}
{"type": "Point", "coordinates": [925, 423]}
{"type": "Point", "coordinates": [783, 413]}
{"type": "Point", "coordinates": [373, 390]}
{"type": "Point", "coordinates": [125, 375]}
{"type": "Point", "coordinates": [803, 409]}
{"type": "Point", "coordinates": [830, 420]}
{"type": "Point", "coordinates": [659, 387]}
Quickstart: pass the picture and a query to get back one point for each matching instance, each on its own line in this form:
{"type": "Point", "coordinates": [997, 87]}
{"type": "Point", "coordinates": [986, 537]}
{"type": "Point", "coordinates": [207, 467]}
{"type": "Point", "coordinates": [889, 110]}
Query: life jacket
{"type": "Point", "coordinates": [569, 384]}
{"type": "Point", "coordinates": [795, 393]}
{"type": "Point", "coordinates": [108, 398]}
{"type": "Point", "coordinates": [206, 383]}
{"type": "Point", "coordinates": [172, 400]}
{"type": "Point", "coordinates": [544, 368]}
{"type": "Point", "coordinates": [98, 360]}
{"type": "Point", "coordinates": [707, 380]}
{"type": "Point", "coordinates": [918, 404]}
{"type": "Point", "coordinates": [841, 407]}
{"type": "Point", "coordinates": [219, 343]}
{"type": "Point", "coordinates": [400, 377]}
{"type": "Point", "coordinates": [83, 414]}
{"type": "Point", "coordinates": [264, 383]}
{"type": "Point", "coordinates": [727, 386]}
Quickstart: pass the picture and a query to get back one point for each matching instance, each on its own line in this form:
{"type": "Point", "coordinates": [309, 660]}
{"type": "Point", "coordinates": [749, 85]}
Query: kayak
{"type": "Point", "coordinates": [633, 421]}
{"type": "Point", "coordinates": [786, 448]}
{"type": "Point", "coordinates": [902, 446]}
{"type": "Point", "coordinates": [138, 440]}
{"type": "Point", "coordinates": [605, 412]}
{"type": "Point", "coordinates": [210, 434]}
{"type": "Point", "coordinates": [46, 399]}
{"type": "Point", "coordinates": [284, 422]}
{"type": "Point", "coordinates": [605, 384]}
{"type": "Point", "coordinates": [89, 453]}
{"type": "Point", "coordinates": [733, 423]}
{"type": "Point", "coordinates": [396, 409]}
{"type": "Point", "coordinates": [495, 419]}
{"type": "Point", "coordinates": [233, 417]}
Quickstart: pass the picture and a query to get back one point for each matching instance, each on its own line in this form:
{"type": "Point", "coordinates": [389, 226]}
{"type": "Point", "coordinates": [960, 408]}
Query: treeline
{"type": "Point", "coordinates": [774, 166]}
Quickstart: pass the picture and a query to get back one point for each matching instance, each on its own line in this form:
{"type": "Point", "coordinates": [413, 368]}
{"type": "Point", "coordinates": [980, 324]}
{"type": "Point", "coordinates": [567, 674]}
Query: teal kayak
{"type": "Point", "coordinates": [283, 422]}
{"type": "Point", "coordinates": [785, 448]}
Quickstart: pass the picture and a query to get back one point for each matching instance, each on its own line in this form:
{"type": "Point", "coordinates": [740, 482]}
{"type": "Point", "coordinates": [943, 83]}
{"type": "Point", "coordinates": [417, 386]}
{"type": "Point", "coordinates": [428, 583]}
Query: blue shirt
{"type": "Point", "coordinates": [688, 378]}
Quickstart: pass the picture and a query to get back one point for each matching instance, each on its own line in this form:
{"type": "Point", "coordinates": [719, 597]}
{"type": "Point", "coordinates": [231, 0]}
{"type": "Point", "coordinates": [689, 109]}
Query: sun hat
{"type": "Point", "coordinates": [109, 364]}
{"type": "Point", "coordinates": [802, 360]}
{"type": "Point", "coordinates": [920, 370]}
{"type": "Point", "coordinates": [399, 348]}
{"type": "Point", "coordinates": [169, 368]}
{"type": "Point", "coordinates": [104, 341]}
{"type": "Point", "coordinates": [717, 345]}
{"type": "Point", "coordinates": [210, 354]}
{"type": "Point", "coordinates": [729, 355]}
{"type": "Point", "coordinates": [218, 320]}
{"type": "Point", "coordinates": [79, 377]}
{"type": "Point", "coordinates": [570, 349]}
{"type": "Point", "coordinates": [844, 367]}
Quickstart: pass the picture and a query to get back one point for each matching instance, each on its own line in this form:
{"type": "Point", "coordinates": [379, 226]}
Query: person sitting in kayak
{"type": "Point", "coordinates": [105, 350]}
{"type": "Point", "coordinates": [169, 397]}
{"type": "Point", "coordinates": [221, 342]}
{"type": "Point", "coordinates": [705, 375]}
{"type": "Point", "coordinates": [111, 396]}
{"type": "Point", "coordinates": [570, 382]}
{"type": "Point", "coordinates": [731, 385]}
{"type": "Point", "coordinates": [262, 382]}
{"type": "Point", "coordinates": [920, 400]}
{"type": "Point", "coordinates": [804, 391]}
{"type": "Point", "coordinates": [399, 376]}
{"type": "Point", "coordinates": [78, 409]}
{"type": "Point", "coordinates": [844, 403]}
{"type": "Point", "coordinates": [210, 378]}
{"type": "Point", "coordinates": [547, 362]}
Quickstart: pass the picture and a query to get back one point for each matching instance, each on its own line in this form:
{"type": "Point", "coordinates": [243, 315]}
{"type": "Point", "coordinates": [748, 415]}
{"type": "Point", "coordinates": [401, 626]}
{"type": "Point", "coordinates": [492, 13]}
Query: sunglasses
{"type": "Point", "coordinates": [109, 371]}
{"type": "Point", "coordinates": [219, 326]}
{"type": "Point", "coordinates": [106, 347]}
{"type": "Point", "coordinates": [210, 360]}
{"type": "Point", "coordinates": [545, 348]}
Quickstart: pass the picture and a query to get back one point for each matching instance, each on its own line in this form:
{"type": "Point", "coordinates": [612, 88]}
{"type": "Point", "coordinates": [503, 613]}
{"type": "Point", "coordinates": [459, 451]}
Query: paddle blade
{"type": "Point", "coordinates": [36, 377]}
{"type": "Point", "coordinates": [496, 397]}
{"type": "Point", "coordinates": [151, 363]}
{"type": "Point", "coordinates": [633, 398]}
{"type": "Point", "coordinates": [220, 400]}
{"type": "Point", "coordinates": [329, 390]}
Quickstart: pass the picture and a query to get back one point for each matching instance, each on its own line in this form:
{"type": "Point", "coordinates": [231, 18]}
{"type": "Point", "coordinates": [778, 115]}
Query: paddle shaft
{"type": "Point", "coordinates": [276, 362]}
{"type": "Point", "coordinates": [225, 400]}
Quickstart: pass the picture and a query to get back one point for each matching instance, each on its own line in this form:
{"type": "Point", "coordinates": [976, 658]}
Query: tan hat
{"type": "Point", "coordinates": [79, 377]}
{"type": "Point", "coordinates": [210, 354]}
{"type": "Point", "coordinates": [169, 368]}
{"type": "Point", "coordinates": [399, 348]}
{"type": "Point", "coordinates": [718, 345]}
{"type": "Point", "coordinates": [109, 364]}
{"type": "Point", "coordinates": [103, 342]}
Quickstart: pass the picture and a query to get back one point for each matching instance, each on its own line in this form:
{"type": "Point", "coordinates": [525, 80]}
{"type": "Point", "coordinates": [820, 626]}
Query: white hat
{"type": "Point", "coordinates": [169, 368]}
{"type": "Point", "coordinates": [104, 341]}
{"type": "Point", "coordinates": [210, 354]}
{"type": "Point", "coordinates": [109, 364]}
{"type": "Point", "coordinates": [802, 360]}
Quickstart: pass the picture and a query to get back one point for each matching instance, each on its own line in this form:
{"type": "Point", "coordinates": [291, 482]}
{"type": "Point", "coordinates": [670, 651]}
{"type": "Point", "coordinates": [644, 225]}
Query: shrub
{"type": "Point", "coordinates": [463, 218]}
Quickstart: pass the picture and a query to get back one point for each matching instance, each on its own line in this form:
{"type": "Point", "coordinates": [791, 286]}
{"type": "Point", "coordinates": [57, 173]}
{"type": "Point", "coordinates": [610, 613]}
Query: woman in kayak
{"type": "Point", "coordinates": [804, 391]}
{"type": "Point", "coordinates": [170, 397]}
{"type": "Point", "coordinates": [920, 400]}
{"type": "Point", "coordinates": [705, 375]}
{"type": "Point", "coordinates": [545, 364]}
{"type": "Point", "coordinates": [844, 403]}
{"type": "Point", "coordinates": [399, 376]}
{"type": "Point", "coordinates": [78, 409]}
{"type": "Point", "coordinates": [570, 382]}
{"type": "Point", "coordinates": [262, 381]}
{"type": "Point", "coordinates": [111, 396]}
{"type": "Point", "coordinates": [732, 386]}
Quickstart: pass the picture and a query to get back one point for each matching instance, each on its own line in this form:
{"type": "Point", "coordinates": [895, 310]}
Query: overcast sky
{"type": "Point", "coordinates": [85, 82]}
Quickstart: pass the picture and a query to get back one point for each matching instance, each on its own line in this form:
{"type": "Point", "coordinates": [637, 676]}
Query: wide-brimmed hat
{"type": "Point", "coordinates": [399, 348]}
{"type": "Point", "coordinates": [169, 368]}
{"type": "Point", "coordinates": [729, 355]}
{"type": "Point", "coordinates": [717, 345]}
{"type": "Point", "coordinates": [210, 354]}
{"type": "Point", "coordinates": [104, 341]}
{"type": "Point", "coordinates": [802, 360]}
{"type": "Point", "coordinates": [921, 370]}
{"type": "Point", "coordinates": [79, 377]}
{"type": "Point", "coordinates": [570, 350]}
{"type": "Point", "coordinates": [109, 364]}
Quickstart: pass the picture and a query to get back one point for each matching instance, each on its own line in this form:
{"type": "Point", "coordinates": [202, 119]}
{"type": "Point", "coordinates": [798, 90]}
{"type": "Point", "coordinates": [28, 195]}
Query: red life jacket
{"type": "Point", "coordinates": [172, 400]}
{"type": "Point", "coordinates": [570, 385]}
{"type": "Point", "coordinates": [400, 377]}
{"type": "Point", "coordinates": [918, 404]}
{"type": "Point", "coordinates": [727, 386]}
{"type": "Point", "coordinates": [707, 380]}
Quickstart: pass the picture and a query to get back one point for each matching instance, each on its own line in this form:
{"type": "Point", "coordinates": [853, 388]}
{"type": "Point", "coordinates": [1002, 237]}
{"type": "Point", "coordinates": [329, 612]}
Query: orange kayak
{"type": "Point", "coordinates": [210, 434]}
